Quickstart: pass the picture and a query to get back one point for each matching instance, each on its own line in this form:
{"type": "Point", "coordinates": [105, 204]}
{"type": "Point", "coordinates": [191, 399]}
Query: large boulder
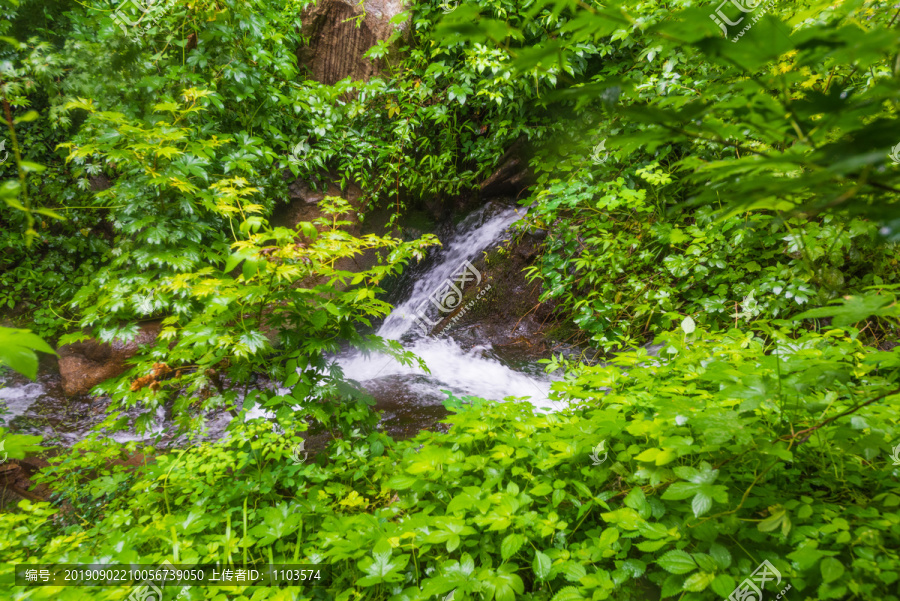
{"type": "Point", "coordinates": [340, 32]}
{"type": "Point", "coordinates": [85, 364]}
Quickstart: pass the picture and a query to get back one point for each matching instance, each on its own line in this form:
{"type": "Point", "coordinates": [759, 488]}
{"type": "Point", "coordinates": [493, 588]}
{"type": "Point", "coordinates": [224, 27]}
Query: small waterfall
{"type": "Point", "coordinates": [475, 233]}
{"type": "Point", "coordinates": [463, 372]}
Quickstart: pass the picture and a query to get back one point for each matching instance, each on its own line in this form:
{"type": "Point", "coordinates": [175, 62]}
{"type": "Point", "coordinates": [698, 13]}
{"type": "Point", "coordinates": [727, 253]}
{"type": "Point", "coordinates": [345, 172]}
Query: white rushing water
{"type": "Point", "coordinates": [452, 368]}
{"type": "Point", "coordinates": [17, 399]}
{"type": "Point", "coordinates": [474, 234]}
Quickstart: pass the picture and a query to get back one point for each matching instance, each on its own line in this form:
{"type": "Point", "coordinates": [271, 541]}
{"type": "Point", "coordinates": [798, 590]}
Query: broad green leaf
{"type": "Point", "coordinates": [698, 582]}
{"type": "Point", "coordinates": [541, 565]}
{"type": "Point", "coordinates": [511, 545]}
{"type": "Point", "coordinates": [831, 569]}
{"type": "Point", "coordinates": [18, 350]}
{"type": "Point", "coordinates": [677, 562]}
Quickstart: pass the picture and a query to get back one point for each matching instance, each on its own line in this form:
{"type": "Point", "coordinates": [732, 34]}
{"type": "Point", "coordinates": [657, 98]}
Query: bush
{"type": "Point", "coordinates": [720, 453]}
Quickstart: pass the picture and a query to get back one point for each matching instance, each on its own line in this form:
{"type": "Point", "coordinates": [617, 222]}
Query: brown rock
{"type": "Point", "coordinates": [99, 183]}
{"type": "Point", "coordinates": [16, 484]}
{"type": "Point", "coordinates": [340, 32]}
{"type": "Point", "coordinates": [85, 364]}
{"type": "Point", "coordinates": [511, 177]}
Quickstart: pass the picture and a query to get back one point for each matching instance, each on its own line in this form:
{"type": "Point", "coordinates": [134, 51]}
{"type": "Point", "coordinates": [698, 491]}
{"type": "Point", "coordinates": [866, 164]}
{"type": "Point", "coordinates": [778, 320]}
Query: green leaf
{"type": "Point", "coordinates": [511, 545]}
{"type": "Point", "coordinates": [638, 501]}
{"type": "Point", "coordinates": [680, 490]}
{"type": "Point", "coordinates": [688, 325]}
{"type": "Point", "coordinates": [831, 569]}
{"type": "Point", "coordinates": [701, 504]}
{"type": "Point", "coordinates": [698, 582]}
{"type": "Point", "coordinates": [723, 585]}
{"type": "Point", "coordinates": [381, 567]}
{"type": "Point", "coordinates": [31, 167]}
{"type": "Point", "coordinates": [49, 213]}
{"type": "Point", "coordinates": [778, 518]}
{"type": "Point", "coordinates": [652, 545]}
{"type": "Point", "coordinates": [17, 446]}
{"type": "Point", "coordinates": [27, 117]}
{"type": "Point", "coordinates": [706, 562]}
{"type": "Point", "coordinates": [402, 481]}
{"type": "Point", "coordinates": [855, 309]}
{"type": "Point", "coordinates": [720, 555]}
{"type": "Point", "coordinates": [309, 230]}
{"type": "Point", "coordinates": [677, 562]}
{"type": "Point", "coordinates": [568, 593]}
{"type": "Point", "coordinates": [541, 565]}
{"type": "Point", "coordinates": [806, 557]}
{"type": "Point", "coordinates": [17, 350]}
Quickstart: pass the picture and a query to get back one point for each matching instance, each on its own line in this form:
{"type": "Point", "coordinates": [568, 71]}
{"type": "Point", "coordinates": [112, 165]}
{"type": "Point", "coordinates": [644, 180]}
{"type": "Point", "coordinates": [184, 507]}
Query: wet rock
{"type": "Point", "coordinates": [83, 365]}
{"type": "Point", "coordinates": [528, 248]}
{"type": "Point", "coordinates": [512, 176]}
{"type": "Point", "coordinates": [509, 317]}
{"type": "Point", "coordinates": [537, 234]}
{"type": "Point", "coordinates": [99, 183]}
{"type": "Point", "coordinates": [407, 407]}
{"type": "Point", "coordinates": [340, 32]}
{"type": "Point", "coordinates": [16, 484]}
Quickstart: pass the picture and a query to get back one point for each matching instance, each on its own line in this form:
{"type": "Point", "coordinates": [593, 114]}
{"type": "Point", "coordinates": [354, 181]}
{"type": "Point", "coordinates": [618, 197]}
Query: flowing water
{"type": "Point", "coordinates": [473, 371]}
{"type": "Point", "coordinates": [411, 398]}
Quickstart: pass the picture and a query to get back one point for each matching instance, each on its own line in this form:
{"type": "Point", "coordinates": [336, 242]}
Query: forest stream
{"type": "Point", "coordinates": [410, 398]}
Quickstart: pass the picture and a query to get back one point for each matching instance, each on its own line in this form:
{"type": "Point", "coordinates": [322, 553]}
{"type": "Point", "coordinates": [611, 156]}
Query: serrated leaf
{"type": "Point", "coordinates": [701, 504]}
{"type": "Point", "coordinates": [677, 562]}
{"type": "Point", "coordinates": [680, 490]}
{"type": "Point", "coordinates": [568, 593]}
{"type": "Point", "coordinates": [698, 582]}
{"type": "Point", "coordinates": [511, 545]}
{"type": "Point", "coordinates": [672, 585]}
{"type": "Point", "coordinates": [651, 545]}
{"type": "Point", "coordinates": [723, 585]}
{"type": "Point", "coordinates": [541, 565]}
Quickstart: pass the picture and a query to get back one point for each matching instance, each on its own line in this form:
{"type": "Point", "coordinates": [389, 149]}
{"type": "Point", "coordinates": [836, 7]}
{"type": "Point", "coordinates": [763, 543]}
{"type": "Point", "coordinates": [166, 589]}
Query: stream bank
{"type": "Point", "coordinates": [492, 350]}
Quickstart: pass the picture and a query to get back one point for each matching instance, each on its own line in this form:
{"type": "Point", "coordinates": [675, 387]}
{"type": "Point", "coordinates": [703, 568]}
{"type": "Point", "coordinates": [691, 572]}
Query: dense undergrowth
{"type": "Point", "coordinates": [733, 201]}
{"type": "Point", "coordinates": [722, 453]}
